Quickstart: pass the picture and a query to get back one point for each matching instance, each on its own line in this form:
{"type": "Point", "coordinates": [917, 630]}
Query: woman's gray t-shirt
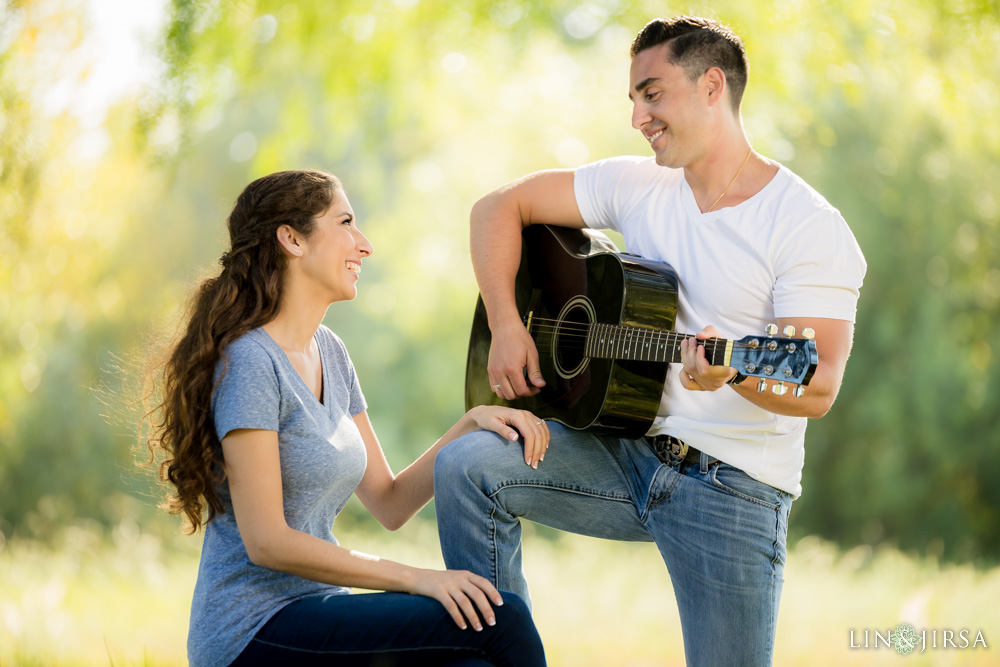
{"type": "Point", "coordinates": [322, 461]}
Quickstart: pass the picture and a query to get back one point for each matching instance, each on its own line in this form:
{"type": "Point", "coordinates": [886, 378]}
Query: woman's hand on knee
{"type": "Point", "coordinates": [461, 593]}
{"type": "Point", "coordinates": [534, 431]}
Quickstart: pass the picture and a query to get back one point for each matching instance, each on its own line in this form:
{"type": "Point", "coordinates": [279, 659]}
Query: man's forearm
{"type": "Point", "coordinates": [495, 246]}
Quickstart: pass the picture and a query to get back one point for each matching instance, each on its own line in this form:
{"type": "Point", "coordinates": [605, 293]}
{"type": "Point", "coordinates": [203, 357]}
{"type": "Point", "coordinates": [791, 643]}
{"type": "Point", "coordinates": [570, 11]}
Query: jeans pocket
{"type": "Point", "coordinates": [737, 483]}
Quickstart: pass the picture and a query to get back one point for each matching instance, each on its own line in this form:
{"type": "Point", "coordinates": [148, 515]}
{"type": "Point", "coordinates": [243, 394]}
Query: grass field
{"type": "Point", "coordinates": [91, 600]}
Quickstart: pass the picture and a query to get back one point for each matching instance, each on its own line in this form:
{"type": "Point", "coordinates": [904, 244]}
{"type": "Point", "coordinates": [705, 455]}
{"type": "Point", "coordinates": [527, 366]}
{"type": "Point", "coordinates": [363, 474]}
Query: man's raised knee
{"type": "Point", "coordinates": [457, 455]}
{"type": "Point", "coordinates": [473, 454]}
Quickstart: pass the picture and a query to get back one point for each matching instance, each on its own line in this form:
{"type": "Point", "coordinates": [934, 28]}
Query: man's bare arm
{"type": "Point", "coordinates": [545, 197]}
{"type": "Point", "coordinates": [834, 339]}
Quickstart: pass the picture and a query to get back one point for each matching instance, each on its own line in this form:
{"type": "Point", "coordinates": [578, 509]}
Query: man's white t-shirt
{"type": "Point", "coordinates": [785, 252]}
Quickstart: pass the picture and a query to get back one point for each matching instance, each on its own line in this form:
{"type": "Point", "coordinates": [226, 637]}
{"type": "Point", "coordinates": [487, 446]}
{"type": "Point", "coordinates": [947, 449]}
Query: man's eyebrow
{"type": "Point", "coordinates": [645, 83]}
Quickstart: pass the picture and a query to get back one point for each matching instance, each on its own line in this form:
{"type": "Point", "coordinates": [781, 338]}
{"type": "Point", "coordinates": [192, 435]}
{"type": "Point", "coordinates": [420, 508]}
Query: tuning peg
{"type": "Point", "coordinates": [771, 329]}
{"type": "Point", "coordinates": [779, 389]}
{"type": "Point", "coordinates": [761, 386]}
{"type": "Point", "coordinates": [808, 333]}
{"type": "Point", "coordinates": [797, 393]}
{"type": "Point", "coordinates": [789, 331]}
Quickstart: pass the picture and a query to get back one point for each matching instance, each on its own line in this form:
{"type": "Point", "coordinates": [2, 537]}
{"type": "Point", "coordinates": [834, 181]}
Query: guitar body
{"type": "Point", "coordinates": [568, 279]}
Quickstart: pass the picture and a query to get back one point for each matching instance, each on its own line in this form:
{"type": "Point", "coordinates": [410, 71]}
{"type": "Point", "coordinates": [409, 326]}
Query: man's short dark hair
{"type": "Point", "coordinates": [696, 44]}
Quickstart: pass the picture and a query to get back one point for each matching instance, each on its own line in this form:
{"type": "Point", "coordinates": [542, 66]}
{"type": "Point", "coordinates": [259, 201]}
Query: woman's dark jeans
{"type": "Point", "coordinates": [391, 629]}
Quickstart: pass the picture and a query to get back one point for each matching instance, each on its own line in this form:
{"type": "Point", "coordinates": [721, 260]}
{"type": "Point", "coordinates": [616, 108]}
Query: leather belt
{"type": "Point", "coordinates": [674, 451]}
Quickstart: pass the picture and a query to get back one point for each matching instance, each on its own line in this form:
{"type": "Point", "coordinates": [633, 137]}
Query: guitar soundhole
{"type": "Point", "coordinates": [570, 337]}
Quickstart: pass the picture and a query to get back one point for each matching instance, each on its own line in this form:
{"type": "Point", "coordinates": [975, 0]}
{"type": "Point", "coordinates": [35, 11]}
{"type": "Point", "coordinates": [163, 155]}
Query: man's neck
{"type": "Point", "coordinates": [728, 173]}
{"type": "Point", "coordinates": [720, 158]}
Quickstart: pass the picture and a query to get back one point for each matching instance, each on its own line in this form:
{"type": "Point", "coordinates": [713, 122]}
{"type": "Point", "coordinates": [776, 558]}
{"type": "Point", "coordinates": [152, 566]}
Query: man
{"type": "Point", "coordinates": [752, 244]}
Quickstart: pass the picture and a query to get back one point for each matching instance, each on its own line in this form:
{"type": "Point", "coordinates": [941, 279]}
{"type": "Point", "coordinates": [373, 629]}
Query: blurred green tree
{"type": "Point", "coordinates": [887, 107]}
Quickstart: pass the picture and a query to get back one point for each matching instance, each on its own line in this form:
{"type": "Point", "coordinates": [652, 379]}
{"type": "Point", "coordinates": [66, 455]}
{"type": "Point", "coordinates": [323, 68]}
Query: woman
{"type": "Point", "coordinates": [264, 427]}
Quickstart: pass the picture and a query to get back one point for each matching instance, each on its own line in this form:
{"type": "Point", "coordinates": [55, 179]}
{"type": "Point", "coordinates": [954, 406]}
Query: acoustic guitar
{"type": "Point", "coordinates": [603, 324]}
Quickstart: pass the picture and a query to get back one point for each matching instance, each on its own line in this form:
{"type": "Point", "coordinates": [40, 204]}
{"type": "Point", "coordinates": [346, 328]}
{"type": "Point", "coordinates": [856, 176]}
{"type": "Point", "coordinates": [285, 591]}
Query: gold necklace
{"type": "Point", "coordinates": [732, 181]}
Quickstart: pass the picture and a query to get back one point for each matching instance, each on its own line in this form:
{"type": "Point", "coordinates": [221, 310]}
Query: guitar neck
{"type": "Point", "coordinates": [614, 341]}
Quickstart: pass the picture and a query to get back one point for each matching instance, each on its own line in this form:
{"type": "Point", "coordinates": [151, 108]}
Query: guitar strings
{"type": "Point", "coordinates": [582, 342]}
{"type": "Point", "coordinates": [570, 328]}
{"type": "Point", "coordinates": [543, 344]}
{"type": "Point", "coordinates": [669, 352]}
{"type": "Point", "coordinates": [640, 354]}
{"type": "Point", "coordinates": [584, 327]}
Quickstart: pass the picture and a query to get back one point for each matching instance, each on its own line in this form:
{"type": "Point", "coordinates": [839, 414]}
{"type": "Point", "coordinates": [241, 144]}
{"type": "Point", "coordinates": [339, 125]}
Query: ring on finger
{"type": "Point", "coordinates": [496, 387]}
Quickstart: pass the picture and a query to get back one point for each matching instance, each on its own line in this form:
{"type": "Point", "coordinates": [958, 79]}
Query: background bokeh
{"type": "Point", "coordinates": [112, 209]}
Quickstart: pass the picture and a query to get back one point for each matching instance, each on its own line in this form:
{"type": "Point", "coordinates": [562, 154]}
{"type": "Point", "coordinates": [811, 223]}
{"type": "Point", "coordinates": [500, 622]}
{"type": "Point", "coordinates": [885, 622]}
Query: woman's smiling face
{"type": "Point", "coordinates": [334, 251]}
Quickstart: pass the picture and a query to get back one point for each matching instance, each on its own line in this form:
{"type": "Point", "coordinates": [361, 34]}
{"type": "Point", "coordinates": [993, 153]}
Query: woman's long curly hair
{"type": "Point", "coordinates": [244, 296]}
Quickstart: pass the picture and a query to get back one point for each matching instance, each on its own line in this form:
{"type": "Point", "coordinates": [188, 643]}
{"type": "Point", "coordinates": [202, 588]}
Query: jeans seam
{"type": "Point", "coordinates": [777, 532]}
{"type": "Point", "coordinates": [556, 487]}
{"type": "Point", "coordinates": [495, 551]}
{"type": "Point", "coordinates": [671, 486]}
{"type": "Point", "coordinates": [773, 621]}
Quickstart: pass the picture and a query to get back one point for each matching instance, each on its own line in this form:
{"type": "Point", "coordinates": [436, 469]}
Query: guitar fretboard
{"type": "Point", "coordinates": [612, 341]}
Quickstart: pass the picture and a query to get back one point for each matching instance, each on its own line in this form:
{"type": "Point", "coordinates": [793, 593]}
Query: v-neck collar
{"type": "Point", "coordinates": [288, 362]}
{"type": "Point", "coordinates": [691, 204]}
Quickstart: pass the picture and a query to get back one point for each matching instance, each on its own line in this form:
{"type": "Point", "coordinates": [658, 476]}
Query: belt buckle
{"type": "Point", "coordinates": [670, 450]}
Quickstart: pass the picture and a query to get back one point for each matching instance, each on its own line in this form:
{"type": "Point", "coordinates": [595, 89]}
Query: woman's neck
{"type": "Point", "coordinates": [297, 321]}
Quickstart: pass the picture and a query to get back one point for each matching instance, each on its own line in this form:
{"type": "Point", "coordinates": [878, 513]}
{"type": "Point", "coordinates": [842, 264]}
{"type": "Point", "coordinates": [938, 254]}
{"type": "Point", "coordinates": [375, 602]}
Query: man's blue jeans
{"type": "Point", "coordinates": [720, 532]}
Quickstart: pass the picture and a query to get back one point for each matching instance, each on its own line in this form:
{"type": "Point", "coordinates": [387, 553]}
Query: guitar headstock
{"type": "Point", "coordinates": [786, 359]}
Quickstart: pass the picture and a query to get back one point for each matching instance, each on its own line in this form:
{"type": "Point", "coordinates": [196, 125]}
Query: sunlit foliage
{"type": "Point", "coordinates": [887, 107]}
